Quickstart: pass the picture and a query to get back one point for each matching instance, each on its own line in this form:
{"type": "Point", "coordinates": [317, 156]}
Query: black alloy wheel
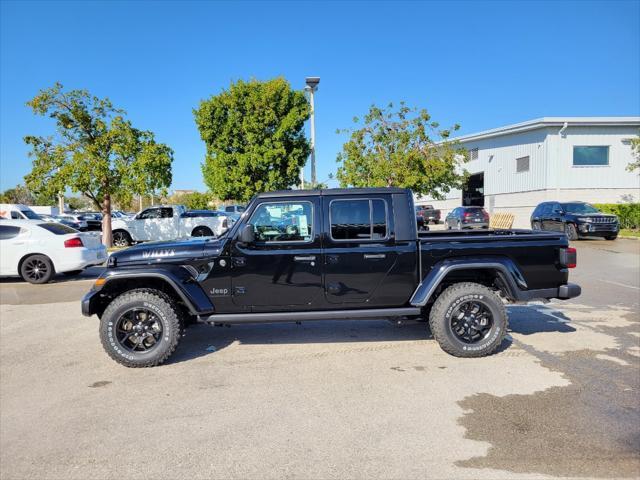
{"type": "Point", "coordinates": [37, 269]}
{"type": "Point", "coordinates": [138, 330]}
{"type": "Point", "coordinates": [471, 321]}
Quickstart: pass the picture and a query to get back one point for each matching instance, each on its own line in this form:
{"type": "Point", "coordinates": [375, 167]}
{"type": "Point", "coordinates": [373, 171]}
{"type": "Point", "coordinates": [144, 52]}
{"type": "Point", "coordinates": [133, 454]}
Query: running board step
{"type": "Point", "coordinates": [306, 315]}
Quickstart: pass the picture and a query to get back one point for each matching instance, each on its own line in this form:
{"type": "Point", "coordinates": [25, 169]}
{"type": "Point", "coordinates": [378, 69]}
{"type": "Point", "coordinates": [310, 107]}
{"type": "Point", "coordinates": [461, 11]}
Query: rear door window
{"type": "Point", "coordinates": [8, 232]}
{"type": "Point", "coordinates": [358, 219]}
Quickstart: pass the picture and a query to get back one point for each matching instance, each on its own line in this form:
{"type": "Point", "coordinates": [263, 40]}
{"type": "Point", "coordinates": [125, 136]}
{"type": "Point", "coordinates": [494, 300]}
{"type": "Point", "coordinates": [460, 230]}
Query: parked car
{"type": "Point", "coordinates": [467, 217]}
{"type": "Point", "coordinates": [77, 221]}
{"type": "Point", "coordinates": [327, 255]}
{"type": "Point", "coordinates": [17, 211]}
{"type": "Point", "coordinates": [68, 222]}
{"type": "Point", "coordinates": [92, 219]}
{"type": "Point", "coordinates": [165, 222]}
{"type": "Point", "coordinates": [36, 250]}
{"type": "Point", "coordinates": [429, 214]}
{"type": "Point", "coordinates": [575, 219]}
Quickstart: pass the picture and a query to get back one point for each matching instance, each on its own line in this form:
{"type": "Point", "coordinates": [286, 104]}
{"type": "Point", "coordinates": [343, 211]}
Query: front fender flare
{"type": "Point", "coordinates": [176, 278]}
{"type": "Point", "coordinates": [505, 268]}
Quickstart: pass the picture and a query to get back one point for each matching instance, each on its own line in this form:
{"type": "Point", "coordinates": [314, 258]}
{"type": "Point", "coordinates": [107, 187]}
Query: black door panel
{"type": "Point", "coordinates": [282, 269]}
{"type": "Point", "coordinates": [363, 265]}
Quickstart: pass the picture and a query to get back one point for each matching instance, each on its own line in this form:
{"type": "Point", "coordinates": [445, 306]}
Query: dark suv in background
{"type": "Point", "coordinates": [467, 217]}
{"type": "Point", "coordinates": [576, 219]}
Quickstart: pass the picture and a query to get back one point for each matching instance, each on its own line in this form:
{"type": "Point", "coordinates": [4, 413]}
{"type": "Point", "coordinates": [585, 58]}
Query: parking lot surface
{"type": "Point", "coordinates": [357, 399]}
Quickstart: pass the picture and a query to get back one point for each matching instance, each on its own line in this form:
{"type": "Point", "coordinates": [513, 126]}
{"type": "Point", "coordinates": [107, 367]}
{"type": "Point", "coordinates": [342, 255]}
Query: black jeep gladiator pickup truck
{"type": "Point", "coordinates": [327, 254]}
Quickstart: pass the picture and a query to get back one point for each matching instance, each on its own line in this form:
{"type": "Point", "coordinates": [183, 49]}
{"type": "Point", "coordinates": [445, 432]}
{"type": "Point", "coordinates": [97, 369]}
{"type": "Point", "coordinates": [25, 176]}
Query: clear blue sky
{"type": "Point", "coordinates": [481, 64]}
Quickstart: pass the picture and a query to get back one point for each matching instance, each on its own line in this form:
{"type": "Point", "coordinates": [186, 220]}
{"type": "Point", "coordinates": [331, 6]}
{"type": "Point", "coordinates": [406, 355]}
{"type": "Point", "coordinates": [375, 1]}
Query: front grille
{"type": "Point", "coordinates": [603, 219]}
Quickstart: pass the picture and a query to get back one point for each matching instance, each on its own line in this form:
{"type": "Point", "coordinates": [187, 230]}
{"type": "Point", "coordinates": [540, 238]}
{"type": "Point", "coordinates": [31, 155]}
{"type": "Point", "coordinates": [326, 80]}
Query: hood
{"type": "Point", "coordinates": [174, 251]}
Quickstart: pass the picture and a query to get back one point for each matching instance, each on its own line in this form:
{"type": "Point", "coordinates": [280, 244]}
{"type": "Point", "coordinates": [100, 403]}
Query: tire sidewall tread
{"type": "Point", "coordinates": [166, 310]}
{"type": "Point", "coordinates": [440, 316]}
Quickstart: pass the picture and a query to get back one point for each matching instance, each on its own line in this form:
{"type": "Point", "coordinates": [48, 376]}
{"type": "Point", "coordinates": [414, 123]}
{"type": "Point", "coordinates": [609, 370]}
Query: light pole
{"type": "Point", "coordinates": [312, 86]}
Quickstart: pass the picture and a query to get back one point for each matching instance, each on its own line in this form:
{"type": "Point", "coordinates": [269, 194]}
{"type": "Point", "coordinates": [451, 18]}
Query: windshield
{"type": "Point", "coordinates": [30, 214]}
{"type": "Point", "coordinates": [579, 208]}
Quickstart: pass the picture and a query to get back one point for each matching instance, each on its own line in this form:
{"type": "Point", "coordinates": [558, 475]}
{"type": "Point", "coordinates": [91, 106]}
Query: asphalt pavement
{"type": "Point", "coordinates": [357, 399]}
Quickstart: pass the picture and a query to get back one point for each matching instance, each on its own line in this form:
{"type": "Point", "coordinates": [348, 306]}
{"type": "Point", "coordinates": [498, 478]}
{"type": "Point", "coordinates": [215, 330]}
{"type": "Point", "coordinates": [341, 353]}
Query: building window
{"type": "Point", "coordinates": [522, 164]}
{"type": "Point", "coordinates": [473, 154]}
{"type": "Point", "coordinates": [590, 156]}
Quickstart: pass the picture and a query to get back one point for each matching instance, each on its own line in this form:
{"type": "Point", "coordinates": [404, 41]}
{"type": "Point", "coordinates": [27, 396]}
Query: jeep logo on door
{"type": "Point", "coordinates": [219, 292]}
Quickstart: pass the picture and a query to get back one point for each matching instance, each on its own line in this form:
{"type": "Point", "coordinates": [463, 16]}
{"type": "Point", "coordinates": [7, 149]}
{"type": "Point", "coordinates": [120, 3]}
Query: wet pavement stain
{"type": "Point", "coordinates": [590, 428]}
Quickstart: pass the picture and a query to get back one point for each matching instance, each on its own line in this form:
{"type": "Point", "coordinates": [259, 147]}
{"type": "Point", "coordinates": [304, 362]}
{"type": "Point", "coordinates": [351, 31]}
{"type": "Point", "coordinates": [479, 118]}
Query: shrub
{"type": "Point", "coordinates": [628, 213]}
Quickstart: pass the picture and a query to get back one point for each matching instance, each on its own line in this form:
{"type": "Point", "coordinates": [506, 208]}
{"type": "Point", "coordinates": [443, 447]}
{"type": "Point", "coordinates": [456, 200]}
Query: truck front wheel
{"type": "Point", "coordinates": [468, 320]}
{"type": "Point", "coordinates": [141, 328]}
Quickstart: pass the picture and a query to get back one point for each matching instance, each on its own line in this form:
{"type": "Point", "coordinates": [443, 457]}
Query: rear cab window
{"type": "Point", "coordinates": [358, 219]}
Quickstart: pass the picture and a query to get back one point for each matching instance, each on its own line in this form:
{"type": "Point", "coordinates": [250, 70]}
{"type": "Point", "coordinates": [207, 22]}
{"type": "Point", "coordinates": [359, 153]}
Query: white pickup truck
{"type": "Point", "coordinates": [167, 222]}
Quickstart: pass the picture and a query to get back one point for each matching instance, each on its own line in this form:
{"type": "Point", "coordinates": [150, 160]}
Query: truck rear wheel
{"type": "Point", "coordinates": [468, 320]}
{"type": "Point", "coordinates": [202, 232]}
{"type": "Point", "coordinates": [141, 328]}
{"type": "Point", "coordinates": [121, 238]}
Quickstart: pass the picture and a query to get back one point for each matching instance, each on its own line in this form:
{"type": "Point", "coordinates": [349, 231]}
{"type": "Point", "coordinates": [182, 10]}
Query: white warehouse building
{"type": "Point", "coordinates": [513, 168]}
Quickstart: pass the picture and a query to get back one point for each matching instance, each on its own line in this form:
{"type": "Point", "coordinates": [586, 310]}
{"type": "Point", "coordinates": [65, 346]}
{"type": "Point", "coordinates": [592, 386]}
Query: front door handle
{"type": "Point", "coordinates": [374, 256]}
{"type": "Point", "coordinates": [309, 258]}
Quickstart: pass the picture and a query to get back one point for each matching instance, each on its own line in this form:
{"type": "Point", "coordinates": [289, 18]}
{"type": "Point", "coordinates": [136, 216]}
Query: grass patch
{"type": "Point", "coordinates": [628, 232]}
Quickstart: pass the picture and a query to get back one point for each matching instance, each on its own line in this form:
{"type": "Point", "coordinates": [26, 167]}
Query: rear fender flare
{"type": "Point", "coordinates": [506, 270]}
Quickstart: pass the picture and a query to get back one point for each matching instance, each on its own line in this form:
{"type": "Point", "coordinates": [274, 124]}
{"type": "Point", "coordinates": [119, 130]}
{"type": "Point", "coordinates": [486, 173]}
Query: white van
{"type": "Point", "coordinates": [17, 211]}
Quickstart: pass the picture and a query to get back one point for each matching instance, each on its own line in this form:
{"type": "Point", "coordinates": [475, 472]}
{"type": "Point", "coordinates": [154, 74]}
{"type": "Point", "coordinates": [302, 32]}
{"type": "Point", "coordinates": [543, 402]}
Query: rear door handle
{"type": "Point", "coordinates": [374, 256]}
{"type": "Point", "coordinates": [309, 258]}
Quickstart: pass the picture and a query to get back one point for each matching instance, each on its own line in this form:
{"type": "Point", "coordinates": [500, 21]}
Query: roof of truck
{"type": "Point", "coordinates": [333, 191]}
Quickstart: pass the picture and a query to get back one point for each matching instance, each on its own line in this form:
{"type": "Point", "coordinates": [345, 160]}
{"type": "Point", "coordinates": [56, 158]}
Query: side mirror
{"type": "Point", "coordinates": [247, 234]}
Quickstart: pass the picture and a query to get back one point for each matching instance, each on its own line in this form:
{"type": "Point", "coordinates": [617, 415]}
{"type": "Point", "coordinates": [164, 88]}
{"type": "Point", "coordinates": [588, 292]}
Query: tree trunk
{"type": "Point", "coordinates": [106, 221]}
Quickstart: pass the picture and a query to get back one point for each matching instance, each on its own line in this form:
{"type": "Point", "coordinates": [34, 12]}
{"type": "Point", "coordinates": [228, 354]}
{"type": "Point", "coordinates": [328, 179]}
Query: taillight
{"type": "Point", "coordinates": [73, 242]}
{"type": "Point", "coordinates": [568, 257]}
{"type": "Point", "coordinates": [467, 214]}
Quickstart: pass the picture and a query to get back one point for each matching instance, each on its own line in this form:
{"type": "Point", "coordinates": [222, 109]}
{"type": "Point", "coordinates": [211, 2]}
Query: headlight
{"type": "Point", "coordinates": [587, 219]}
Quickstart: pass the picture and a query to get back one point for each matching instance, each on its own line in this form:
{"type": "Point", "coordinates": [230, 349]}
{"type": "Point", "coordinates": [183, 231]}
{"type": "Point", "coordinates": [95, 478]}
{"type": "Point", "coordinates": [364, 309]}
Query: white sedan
{"type": "Point", "coordinates": [36, 250]}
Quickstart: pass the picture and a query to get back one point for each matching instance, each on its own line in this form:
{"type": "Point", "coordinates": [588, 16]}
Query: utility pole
{"type": "Point", "coordinates": [312, 86]}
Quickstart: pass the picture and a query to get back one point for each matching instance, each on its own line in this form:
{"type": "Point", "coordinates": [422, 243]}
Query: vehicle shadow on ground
{"type": "Point", "coordinates": [201, 340]}
{"type": "Point", "coordinates": [90, 273]}
{"type": "Point", "coordinates": [531, 319]}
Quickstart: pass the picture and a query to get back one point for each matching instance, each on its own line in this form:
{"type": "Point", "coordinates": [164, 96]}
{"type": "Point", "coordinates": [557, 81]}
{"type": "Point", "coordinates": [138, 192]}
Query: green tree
{"type": "Point", "coordinates": [254, 134]}
{"type": "Point", "coordinates": [402, 148]}
{"type": "Point", "coordinates": [635, 150]}
{"type": "Point", "coordinates": [95, 151]}
{"type": "Point", "coordinates": [194, 200]}
{"type": "Point", "coordinates": [18, 194]}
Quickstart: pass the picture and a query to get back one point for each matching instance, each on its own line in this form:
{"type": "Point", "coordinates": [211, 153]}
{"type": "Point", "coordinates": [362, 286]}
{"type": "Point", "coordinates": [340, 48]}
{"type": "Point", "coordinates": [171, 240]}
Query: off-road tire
{"type": "Point", "coordinates": [202, 232]}
{"type": "Point", "coordinates": [121, 238]}
{"type": "Point", "coordinates": [42, 263]}
{"type": "Point", "coordinates": [570, 231]}
{"type": "Point", "coordinates": [440, 320]}
{"type": "Point", "coordinates": [162, 306]}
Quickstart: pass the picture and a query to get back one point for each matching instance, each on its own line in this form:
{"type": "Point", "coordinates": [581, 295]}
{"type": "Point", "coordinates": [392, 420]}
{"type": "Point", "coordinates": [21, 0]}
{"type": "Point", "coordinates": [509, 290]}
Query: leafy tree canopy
{"type": "Point", "coordinates": [254, 134]}
{"type": "Point", "coordinates": [194, 200]}
{"type": "Point", "coordinates": [95, 151]}
{"type": "Point", "coordinates": [402, 148]}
